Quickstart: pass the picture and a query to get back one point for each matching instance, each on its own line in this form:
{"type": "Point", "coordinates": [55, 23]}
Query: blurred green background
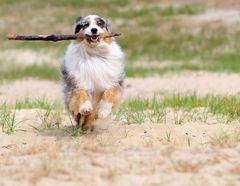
{"type": "Point", "coordinates": [159, 37]}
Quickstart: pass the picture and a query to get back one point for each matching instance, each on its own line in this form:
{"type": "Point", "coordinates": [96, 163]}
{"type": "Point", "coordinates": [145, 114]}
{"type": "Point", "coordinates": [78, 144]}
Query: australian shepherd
{"type": "Point", "coordinates": [92, 72]}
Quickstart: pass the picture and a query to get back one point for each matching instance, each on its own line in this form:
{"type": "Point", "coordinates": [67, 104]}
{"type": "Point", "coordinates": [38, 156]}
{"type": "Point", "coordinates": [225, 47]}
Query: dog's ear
{"type": "Point", "coordinates": [79, 18]}
{"type": "Point", "coordinates": [108, 27]}
{"type": "Point", "coordinates": [78, 25]}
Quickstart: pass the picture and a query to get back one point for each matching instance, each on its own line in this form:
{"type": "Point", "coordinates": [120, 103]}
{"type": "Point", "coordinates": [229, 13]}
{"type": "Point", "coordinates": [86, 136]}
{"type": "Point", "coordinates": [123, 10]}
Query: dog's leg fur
{"type": "Point", "coordinates": [78, 101]}
{"type": "Point", "coordinates": [80, 106]}
{"type": "Point", "coordinates": [110, 99]}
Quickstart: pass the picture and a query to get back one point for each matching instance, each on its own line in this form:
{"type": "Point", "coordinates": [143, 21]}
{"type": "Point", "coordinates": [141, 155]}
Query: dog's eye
{"type": "Point", "coordinates": [100, 24]}
{"type": "Point", "coordinates": [85, 25]}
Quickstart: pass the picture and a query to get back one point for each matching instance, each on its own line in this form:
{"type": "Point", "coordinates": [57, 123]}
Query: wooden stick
{"type": "Point", "coordinates": [55, 37]}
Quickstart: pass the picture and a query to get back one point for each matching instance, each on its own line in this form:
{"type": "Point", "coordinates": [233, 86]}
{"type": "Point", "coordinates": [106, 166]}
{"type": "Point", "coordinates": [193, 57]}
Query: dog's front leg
{"type": "Point", "coordinates": [109, 100]}
{"type": "Point", "coordinates": [80, 103]}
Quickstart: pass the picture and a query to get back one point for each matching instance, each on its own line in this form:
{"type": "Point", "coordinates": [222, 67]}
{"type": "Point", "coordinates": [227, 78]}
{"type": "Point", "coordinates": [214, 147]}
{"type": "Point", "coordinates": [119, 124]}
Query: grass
{"type": "Point", "coordinates": [188, 108]}
{"type": "Point", "coordinates": [180, 108]}
{"type": "Point", "coordinates": [156, 11]}
{"type": "Point", "coordinates": [76, 132]}
{"type": "Point", "coordinates": [151, 32]}
{"type": "Point", "coordinates": [50, 118]}
{"type": "Point", "coordinates": [75, 129]}
{"type": "Point", "coordinates": [184, 108]}
{"type": "Point", "coordinates": [52, 114]}
{"type": "Point", "coordinates": [28, 103]}
{"type": "Point", "coordinates": [8, 120]}
{"type": "Point", "coordinates": [168, 136]}
{"type": "Point", "coordinates": [229, 106]}
{"type": "Point", "coordinates": [32, 71]}
{"type": "Point", "coordinates": [226, 139]}
{"type": "Point", "coordinates": [195, 52]}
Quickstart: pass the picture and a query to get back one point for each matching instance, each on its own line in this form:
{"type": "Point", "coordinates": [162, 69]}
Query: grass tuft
{"type": "Point", "coordinates": [185, 108]}
{"type": "Point", "coordinates": [226, 139]}
{"type": "Point", "coordinates": [8, 120]}
{"type": "Point", "coordinates": [50, 118]}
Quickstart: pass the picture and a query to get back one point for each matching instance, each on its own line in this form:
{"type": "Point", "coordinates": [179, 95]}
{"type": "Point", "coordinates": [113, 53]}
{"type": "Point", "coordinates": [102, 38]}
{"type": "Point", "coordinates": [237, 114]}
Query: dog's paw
{"type": "Point", "coordinates": [85, 108]}
{"type": "Point", "coordinates": [104, 110]}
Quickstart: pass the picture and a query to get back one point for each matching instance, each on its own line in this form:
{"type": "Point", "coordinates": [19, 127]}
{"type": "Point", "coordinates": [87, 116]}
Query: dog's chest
{"type": "Point", "coordinates": [95, 73]}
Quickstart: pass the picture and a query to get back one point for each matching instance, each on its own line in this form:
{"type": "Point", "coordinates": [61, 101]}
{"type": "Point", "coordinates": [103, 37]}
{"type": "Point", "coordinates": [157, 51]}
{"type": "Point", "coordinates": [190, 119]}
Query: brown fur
{"type": "Point", "coordinates": [85, 120]}
{"type": "Point", "coordinates": [78, 97]}
{"type": "Point", "coordinates": [112, 95]}
{"type": "Point", "coordinates": [79, 40]}
{"type": "Point", "coordinates": [107, 40]}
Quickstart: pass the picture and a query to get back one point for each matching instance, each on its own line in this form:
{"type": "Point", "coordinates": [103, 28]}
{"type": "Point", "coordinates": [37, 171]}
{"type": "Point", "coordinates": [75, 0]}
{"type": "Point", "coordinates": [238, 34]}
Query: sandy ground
{"type": "Point", "coordinates": [120, 154]}
{"type": "Point", "coordinates": [192, 154]}
{"type": "Point", "coordinates": [202, 83]}
{"type": "Point", "coordinates": [27, 57]}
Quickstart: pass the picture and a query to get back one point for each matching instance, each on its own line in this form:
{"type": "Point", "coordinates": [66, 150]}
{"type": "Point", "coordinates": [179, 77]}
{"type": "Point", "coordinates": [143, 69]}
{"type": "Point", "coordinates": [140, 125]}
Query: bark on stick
{"type": "Point", "coordinates": [55, 37]}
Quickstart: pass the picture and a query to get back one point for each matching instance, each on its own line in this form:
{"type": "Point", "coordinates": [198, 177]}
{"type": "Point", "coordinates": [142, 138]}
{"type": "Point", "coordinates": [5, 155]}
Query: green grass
{"type": "Point", "coordinates": [37, 103]}
{"type": "Point", "coordinates": [68, 3]}
{"type": "Point", "coordinates": [8, 121]}
{"type": "Point", "coordinates": [150, 33]}
{"type": "Point", "coordinates": [50, 118]}
{"type": "Point", "coordinates": [33, 71]}
{"type": "Point", "coordinates": [28, 103]}
{"type": "Point", "coordinates": [229, 106]}
{"type": "Point", "coordinates": [182, 108]}
{"type": "Point", "coordinates": [138, 110]}
{"type": "Point", "coordinates": [226, 139]}
{"type": "Point", "coordinates": [203, 48]}
{"type": "Point", "coordinates": [156, 11]}
{"type": "Point", "coordinates": [51, 114]}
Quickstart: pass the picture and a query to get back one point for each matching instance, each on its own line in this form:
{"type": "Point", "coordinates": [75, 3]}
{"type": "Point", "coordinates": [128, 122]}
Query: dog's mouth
{"type": "Point", "coordinates": [93, 38]}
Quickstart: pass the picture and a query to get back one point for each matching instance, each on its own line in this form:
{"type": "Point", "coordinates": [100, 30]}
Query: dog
{"type": "Point", "coordinates": [92, 72]}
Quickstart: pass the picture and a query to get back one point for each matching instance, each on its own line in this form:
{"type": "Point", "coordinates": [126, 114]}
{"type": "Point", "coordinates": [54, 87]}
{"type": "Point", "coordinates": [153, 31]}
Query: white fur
{"type": "Point", "coordinates": [93, 25]}
{"type": "Point", "coordinates": [86, 107]}
{"type": "Point", "coordinates": [105, 109]}
{"type": "Point", "coordinates": [95, 68]}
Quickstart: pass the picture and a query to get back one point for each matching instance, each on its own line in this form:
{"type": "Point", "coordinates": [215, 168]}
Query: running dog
{"type": "Point", "coordinates": [92, 72]}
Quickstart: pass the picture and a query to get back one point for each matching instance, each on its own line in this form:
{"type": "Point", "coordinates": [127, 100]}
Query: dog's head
{"type": "Point", "coordinates": [93, 26]}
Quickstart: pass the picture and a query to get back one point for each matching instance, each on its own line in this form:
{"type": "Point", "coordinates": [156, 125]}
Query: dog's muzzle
{"type": "Point", "coordinates": [93, 38]}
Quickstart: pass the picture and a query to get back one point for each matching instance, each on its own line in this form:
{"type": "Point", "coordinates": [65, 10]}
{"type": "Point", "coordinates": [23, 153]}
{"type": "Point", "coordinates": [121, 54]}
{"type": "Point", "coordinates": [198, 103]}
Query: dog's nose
{"type": "Point", "coordinates": [94, 30]}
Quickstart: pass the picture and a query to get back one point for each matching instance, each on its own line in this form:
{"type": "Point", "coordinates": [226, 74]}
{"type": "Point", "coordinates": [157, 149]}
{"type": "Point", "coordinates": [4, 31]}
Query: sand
{"type": "Point", "coordinates": [193, 153]}
{"type": "Point", "coordinates": [120, 154]}
{"type": "Point", "coordinates": [202, 83]}
{"type": "Point", "coordinates": [27, 57]}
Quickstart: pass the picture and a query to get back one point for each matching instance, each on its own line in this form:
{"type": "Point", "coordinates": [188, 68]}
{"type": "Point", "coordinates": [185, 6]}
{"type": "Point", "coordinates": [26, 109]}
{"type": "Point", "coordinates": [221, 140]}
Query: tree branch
{"type": "Point", "coordinates": [55, 37]}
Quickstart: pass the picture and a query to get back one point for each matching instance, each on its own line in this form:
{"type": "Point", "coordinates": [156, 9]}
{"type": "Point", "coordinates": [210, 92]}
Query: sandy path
{"type": "Point", "coordinates": [34, 89]}
{"type": "Point", "coordinates": [118, 154]}
{"type": "Point", "coordinates": [202, 83]}
{"type": "Point", "coordinates": [27, 57]}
